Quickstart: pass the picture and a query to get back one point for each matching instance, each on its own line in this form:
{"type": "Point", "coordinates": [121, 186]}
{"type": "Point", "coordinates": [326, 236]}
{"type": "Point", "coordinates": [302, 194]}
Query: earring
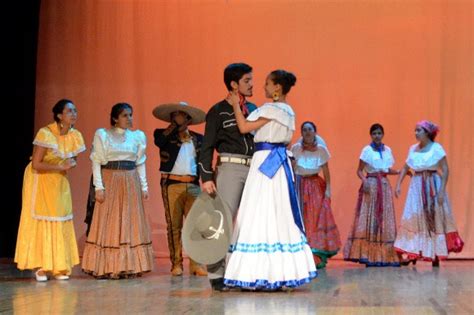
{"type": "Point", "coordinates": [275, 96]}
{"type": "Point", "coordinates": [61, 125]}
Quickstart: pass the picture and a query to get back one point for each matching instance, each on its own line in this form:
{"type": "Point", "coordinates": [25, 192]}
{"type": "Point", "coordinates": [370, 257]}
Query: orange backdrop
{"type": "Point", "coordinates": [357, 62]}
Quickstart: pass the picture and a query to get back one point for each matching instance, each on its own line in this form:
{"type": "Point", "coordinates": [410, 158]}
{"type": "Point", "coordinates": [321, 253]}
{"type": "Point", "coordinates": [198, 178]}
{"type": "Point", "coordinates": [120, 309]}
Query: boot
{"type": "Point", "coordinates": [218, 285]}
{"type": "Point", "coordinates": [196, 269]}
{"type": "Point", "coordinates": [177, 271]}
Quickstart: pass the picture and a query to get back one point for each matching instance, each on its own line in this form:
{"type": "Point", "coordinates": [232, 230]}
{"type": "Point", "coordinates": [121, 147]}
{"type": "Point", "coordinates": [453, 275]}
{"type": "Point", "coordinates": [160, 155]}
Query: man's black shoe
{"type": "Point", "coordinates": [218, 285]}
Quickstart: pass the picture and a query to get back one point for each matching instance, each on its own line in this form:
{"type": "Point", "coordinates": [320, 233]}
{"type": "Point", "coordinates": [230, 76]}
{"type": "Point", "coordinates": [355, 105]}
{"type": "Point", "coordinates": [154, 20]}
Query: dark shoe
{"type": "Point", "coordinates": [218, 285]}
{"type": "Point", "coordinates": [280, 289]}
{"type": "Point", "coordinates": [435, 263]}
{"type": "Point", "coordinates": [407, 262]}
{"type": "Point", "coordinates": [247, 290]}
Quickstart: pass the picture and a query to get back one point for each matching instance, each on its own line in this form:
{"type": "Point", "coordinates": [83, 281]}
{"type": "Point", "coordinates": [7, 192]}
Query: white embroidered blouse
{"type": "Point", "coordinates": [309, 162]}
{"type": "Point", "coordinates": [426, 158]}
{"type": "Point", "coordinates": [281, 127]}
{"type": "Point", "coordinates": [118, 144]}
{"type": "Point", "coordinates": [374, 163]}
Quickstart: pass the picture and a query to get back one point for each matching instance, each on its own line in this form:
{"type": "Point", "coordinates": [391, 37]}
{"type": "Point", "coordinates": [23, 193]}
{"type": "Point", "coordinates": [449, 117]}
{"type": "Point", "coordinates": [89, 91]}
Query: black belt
{"type": "Point", "coordinates": [120, 165]}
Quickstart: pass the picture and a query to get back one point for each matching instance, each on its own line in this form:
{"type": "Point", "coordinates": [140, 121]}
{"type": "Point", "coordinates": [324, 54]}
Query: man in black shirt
{"type": "Point", "coordinates": [234, 150]}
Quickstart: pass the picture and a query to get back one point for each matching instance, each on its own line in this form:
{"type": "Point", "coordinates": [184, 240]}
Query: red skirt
{"type": "Point", "coordinates": [321, 229]}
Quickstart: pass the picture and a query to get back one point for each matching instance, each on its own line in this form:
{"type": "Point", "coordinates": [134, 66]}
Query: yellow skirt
{"type": "Point", "coordinates": [49, 244]}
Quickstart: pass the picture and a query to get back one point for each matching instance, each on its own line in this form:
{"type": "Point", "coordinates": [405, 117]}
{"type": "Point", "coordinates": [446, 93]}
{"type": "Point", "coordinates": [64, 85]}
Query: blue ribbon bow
{"type": "Point", "coordinates": [271, 165]}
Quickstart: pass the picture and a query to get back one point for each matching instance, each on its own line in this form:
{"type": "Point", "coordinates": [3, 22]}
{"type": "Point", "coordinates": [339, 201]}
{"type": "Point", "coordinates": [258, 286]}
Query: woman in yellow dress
{"type": "Point", "coordinates": [46, 239]}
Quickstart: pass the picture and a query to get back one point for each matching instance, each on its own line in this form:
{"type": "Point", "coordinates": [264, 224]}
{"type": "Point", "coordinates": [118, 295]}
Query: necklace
{"type": "Point", "coordinates": [425, 148]}
{"type": "Point", "coordinates": [118, 135]}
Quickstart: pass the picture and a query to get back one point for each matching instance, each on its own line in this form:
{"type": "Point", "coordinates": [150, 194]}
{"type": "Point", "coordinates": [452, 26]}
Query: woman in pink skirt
{"type": "Point", "coordinates": [119, 241]}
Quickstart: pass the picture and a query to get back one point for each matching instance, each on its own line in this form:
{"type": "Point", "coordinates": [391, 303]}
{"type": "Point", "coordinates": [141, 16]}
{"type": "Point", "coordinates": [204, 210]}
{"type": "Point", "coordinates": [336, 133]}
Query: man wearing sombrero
{"type": "Point", "coordinates": [179, 153]}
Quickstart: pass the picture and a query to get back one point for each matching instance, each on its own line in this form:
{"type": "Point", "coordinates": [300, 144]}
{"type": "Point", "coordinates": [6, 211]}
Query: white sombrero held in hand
{"type": "Point", "coordinates": [164, 111]}
{"type": "Point", "coordinates": [207, 230]}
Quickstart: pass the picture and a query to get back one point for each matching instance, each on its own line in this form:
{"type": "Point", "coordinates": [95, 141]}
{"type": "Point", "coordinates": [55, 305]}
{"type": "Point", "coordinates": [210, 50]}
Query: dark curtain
{"type": "Point", "coordinates": [19, 51]}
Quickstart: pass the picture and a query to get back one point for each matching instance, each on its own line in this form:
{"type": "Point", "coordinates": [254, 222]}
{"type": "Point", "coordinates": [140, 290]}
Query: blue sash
{"type": "Point", "coordinates": [271, 165]}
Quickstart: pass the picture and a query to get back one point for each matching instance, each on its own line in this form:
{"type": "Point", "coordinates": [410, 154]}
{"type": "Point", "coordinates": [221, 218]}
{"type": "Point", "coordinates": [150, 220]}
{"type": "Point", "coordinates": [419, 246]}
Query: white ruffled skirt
{"type": "Point", "coordinates": [268, 251]}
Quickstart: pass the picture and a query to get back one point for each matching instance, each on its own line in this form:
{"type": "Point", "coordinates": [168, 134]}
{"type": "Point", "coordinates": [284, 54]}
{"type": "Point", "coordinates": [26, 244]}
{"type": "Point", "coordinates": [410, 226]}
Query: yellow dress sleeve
{"type": "Point", "coordinates": [46, 138]}
{"type": "Point", "coordinates": [62, 146]}
{"type": "Point", "coordinates": [72, 144]}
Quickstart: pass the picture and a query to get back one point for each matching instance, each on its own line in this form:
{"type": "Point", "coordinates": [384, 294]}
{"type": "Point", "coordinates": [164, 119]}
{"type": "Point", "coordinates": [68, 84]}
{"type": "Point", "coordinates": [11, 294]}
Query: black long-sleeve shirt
{"type": "Point", "coordinates": [223, 135]}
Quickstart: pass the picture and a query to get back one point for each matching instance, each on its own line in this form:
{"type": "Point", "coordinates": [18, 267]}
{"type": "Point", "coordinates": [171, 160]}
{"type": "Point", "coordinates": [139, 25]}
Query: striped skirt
{"type": "Point", "coordinates": [119, 242]}
{"type": "Point", "coordinates": [373, 232]}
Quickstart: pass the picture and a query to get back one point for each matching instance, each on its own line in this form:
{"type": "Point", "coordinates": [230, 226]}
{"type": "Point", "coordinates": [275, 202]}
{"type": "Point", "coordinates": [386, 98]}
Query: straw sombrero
{"type": "Point", "coordinates": [207, 230]}
{"type": "Point", "coordinates": [163, 112]}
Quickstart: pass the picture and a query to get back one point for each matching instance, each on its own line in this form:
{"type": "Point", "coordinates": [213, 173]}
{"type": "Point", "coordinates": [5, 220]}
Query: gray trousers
{"type": "Point", "coordinates": [230, 183]}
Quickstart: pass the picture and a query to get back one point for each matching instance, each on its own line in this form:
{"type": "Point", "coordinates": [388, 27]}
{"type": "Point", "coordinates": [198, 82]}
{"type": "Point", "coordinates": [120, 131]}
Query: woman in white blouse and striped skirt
{"type": "Point", "coordinates": [373, 233]}
{"type": "Point", "coordinates": [118, 243]}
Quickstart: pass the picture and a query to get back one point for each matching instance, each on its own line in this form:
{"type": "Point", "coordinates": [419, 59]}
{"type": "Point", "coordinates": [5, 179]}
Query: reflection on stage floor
{"type": "Point", "coordinates": [341, 288]}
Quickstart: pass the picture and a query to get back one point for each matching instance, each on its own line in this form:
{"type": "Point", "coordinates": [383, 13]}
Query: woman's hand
{"type": "Point", "coordinates": [234, 99]}
{"type": "Point", "coordinates": [100, 195]}
{"type": "Point", "coordinates": [365, 186]}
{"type": "Point", "coordinates": [68, 164]}
{"type": "Point", "coordinates": [441, 198]}
{"type": "Point", "coordinates": [398, 191]}
{"type": "Point", "coordinates": [327, 194]}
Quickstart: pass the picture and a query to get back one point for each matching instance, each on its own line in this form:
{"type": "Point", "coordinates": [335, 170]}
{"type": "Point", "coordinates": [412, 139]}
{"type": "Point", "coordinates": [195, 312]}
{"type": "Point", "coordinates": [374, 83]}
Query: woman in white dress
{"type": "Point", "coordinates": [119, 243]}
{"type": "Point", "coordinates": [427, 229]}
{"type": "Point", "coordinates": [269, 249]}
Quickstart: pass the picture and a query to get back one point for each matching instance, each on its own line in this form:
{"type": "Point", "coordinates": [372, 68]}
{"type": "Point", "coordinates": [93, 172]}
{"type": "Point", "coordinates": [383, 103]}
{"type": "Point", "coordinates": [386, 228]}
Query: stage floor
{"type": "Point", "coordinates": [342, 288]}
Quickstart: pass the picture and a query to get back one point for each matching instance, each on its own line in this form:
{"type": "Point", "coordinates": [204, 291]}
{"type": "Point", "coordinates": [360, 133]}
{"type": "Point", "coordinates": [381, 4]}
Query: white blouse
{"type": "Point", "coordinates": [426, 159]}
{"type": "Point", "coordinates": [118, 144]}
{"type": "Point", "coordinates": [281, 127]}
{"type": "Point", "coordinates": [309, 162]}
{"type": "Point", "coordinates": [374, 163]}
